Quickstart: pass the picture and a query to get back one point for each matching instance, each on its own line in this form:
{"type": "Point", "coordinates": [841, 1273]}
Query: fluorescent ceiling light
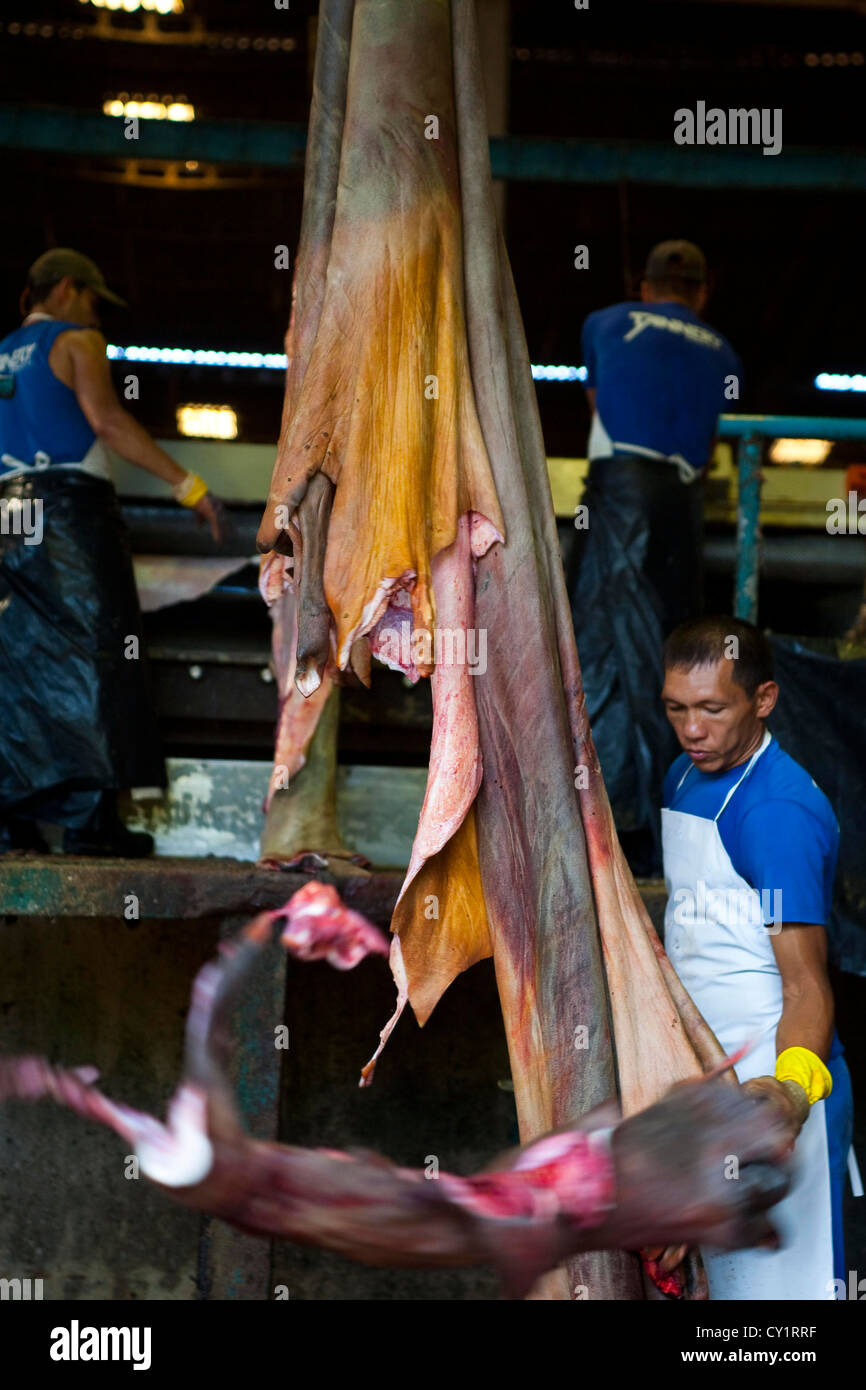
{"type": "Point", "coordinates": [207, 421]}
{"type": "Point", "coordinates": [149, 108]}
{"type": "Point", "coordinates": [811, 451]}
{"type": "Point", "coordinates": [553, 373]}
{"type": "Point", "coordinates": [838, 381]}
{"type": "Point", "coordinates": [130, 6]}
{"type": "Point", "coordinates": [198, 357]}
{"type": "Point", "coordinates": [274, 361]}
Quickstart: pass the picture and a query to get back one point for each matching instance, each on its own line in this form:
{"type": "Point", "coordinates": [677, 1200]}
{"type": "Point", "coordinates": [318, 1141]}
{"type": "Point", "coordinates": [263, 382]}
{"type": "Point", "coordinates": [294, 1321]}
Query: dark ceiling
{"type": "Point", "coordinates": [197, 266]}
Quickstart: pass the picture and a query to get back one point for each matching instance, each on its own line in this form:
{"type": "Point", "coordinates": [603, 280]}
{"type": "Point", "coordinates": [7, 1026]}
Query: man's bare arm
{"type": "Point", "coordinates": [807, 1010]}
{"type": "Point", "coordinates": [78, 359]}
{"type": "Point", "coordinates": [84, 355]}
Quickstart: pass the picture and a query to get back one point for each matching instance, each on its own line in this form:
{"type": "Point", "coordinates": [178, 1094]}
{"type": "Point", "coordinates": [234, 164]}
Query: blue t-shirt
{"type": "Point", "coordinates": [660, 378]}
{"type": "Point", "coordinates": [778, 829]}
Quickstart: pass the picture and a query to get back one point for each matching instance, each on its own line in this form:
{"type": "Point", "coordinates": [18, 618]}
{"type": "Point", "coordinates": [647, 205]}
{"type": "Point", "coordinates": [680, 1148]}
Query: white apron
{"type": "Point", "coordinates": [721, 950]}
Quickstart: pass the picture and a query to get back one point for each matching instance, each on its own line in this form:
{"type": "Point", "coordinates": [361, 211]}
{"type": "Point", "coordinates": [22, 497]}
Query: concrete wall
{"type": "Point", "coordinates": [96, 991]}
{"type": "Point", "coordinates": [101, 992]}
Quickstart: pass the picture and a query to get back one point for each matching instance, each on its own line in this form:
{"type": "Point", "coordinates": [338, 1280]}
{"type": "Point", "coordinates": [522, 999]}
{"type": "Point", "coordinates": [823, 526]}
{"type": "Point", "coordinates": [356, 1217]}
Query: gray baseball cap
{"type": "Point", "coordinates": [676, 260]}
{"type": "Point", "coordinates": [60, 261]}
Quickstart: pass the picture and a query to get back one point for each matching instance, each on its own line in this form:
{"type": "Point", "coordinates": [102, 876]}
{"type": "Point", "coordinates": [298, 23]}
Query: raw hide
{"type": "Point", "coordinates": [409, 388]}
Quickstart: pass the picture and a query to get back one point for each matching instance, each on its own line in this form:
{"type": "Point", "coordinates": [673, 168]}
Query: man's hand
{"type": "Point", "coordinates": [786, 1097]}
{"type": "Point", "coordinates": [789, 1101]}
{"type": "Point", "coordinates": [211, 510]}
{"type": "Point", "coordinates": [702, 1166]}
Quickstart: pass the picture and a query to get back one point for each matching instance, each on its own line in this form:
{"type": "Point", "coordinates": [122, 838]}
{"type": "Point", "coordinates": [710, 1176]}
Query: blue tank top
{"type": "Point", "coordinates": [41, 415]}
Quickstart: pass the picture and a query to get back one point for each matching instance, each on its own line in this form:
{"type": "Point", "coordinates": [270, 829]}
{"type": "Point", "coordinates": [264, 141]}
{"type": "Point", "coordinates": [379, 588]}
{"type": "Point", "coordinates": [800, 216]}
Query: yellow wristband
{"type": "Point", "coordinates": [191, 490]}
{"type": "Point", "coordinates": [800, 1065]}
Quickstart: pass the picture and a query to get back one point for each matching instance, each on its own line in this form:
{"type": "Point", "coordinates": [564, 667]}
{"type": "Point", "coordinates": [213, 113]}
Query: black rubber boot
{"type": "Point", "coordinates": [105, 835]}
{"type": "Point", "coordinates": [21, 836]}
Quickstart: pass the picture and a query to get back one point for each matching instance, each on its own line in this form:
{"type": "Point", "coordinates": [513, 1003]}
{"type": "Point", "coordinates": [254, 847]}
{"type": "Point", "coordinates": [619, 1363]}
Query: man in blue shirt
{"type": "Point", "coordinates": [657, 380]}
{"type": "Point", "coordinates": [77, 720]}
{"type": "Point", "coordinates": [750, 845]}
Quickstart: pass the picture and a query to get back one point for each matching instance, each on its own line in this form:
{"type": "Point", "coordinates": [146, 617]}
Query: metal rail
{"type": "Point", "coordinates": [278, 144]}
{"type": "Point", "coordinates": [751, 431]}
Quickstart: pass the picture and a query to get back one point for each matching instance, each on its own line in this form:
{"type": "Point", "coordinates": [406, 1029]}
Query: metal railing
{"type": "Point", "coordinates": [751, 431]}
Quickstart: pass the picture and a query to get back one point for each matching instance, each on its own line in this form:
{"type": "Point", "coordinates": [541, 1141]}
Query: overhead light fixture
{"type": "Point", "coordinates": [829, 60]}
{"type": "Point", "coordinates": [839, 381]}
{"type": "Point", "coordinates": [808, 451]}
{"type": "Point", "coordinates": [561, 373]}
{"type": "Point", "coordinates": [149, 108]}
{"type": "Point", "coordinates": [197, 357]}
{"type": "Point", "coordinates": [274, 361]}
{"type": "Point", "coordinates": [207, 421]}
{"type": "Point", "coordinates": [130, 6]}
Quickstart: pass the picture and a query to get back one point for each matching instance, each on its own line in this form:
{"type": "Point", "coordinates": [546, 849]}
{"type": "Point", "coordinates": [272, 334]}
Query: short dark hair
{"type": "Point", "coordinates": [37, 291]}
{"type": "Point", "coordinates": [689, 290]}
{"type": "Point", "coordinates": [704, 641]}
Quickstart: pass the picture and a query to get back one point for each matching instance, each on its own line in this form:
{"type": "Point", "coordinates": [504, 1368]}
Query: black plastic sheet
{"type": "Point", "coordinates": [819, 720]}
{"type": "Point", "coordinates": [74, 690]}
{"type": "Point", "coordinates": [636, 572]}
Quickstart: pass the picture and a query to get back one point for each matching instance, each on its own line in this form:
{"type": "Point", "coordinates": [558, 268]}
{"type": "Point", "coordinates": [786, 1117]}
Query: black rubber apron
{"type": "Point", "coordinates": [636, 572]}
{"type": "Point", "coordinates": [77, 715]}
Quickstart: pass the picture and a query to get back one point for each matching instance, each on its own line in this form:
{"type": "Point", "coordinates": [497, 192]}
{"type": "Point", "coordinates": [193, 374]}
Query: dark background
{"type": "Point", "coordinates": [196, 263]}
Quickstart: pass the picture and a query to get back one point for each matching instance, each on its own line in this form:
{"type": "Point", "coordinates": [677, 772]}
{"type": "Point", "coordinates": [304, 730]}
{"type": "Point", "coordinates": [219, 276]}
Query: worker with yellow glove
{"type": "Point", "coordinates": [750, 846]}
{"type": "Point", "coordinates": [77, 725]}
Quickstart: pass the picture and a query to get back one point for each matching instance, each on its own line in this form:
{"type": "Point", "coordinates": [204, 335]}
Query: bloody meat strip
{"type": "Point", "coordinates": [564, 1192]}
{"type": "Point", "coordinates": [522, 1218]}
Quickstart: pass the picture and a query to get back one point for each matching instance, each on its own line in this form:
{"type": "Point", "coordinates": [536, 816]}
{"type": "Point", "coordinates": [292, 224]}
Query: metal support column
{"type": "Point", "coordinates": [233, 1265]}
{"type": "Point", "coordinates": [749, 456]}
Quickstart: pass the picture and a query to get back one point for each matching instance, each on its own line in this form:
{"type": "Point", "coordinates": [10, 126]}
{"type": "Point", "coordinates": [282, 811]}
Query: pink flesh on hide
{"type": "Point", "coordinates": [455, 756]}
{"type": "Point", "coordinates": [298, 714]}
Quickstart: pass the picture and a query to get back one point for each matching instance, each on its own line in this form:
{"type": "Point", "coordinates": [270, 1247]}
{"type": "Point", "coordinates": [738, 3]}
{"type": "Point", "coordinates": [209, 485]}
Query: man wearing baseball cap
{"type": "Point", "coordinates": [657, 380]}
{"type": "Point", "coordinates": [78, 724]}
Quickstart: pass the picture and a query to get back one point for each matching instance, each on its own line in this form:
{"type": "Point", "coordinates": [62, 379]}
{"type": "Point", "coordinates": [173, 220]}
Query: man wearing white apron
{"type": "Point", "coordinates": [750, 846]}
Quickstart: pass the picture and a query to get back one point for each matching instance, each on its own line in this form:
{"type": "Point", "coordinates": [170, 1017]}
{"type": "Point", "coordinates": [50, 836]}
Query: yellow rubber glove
{"type": "Point", "coordinates": [190, 490]}
{"type": "Point", "coordinates": [806, 1068]}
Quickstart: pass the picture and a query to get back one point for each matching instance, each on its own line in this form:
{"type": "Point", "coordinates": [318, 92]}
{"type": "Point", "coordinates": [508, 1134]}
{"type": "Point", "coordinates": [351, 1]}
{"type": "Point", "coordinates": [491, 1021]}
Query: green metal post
{"type": "Point", "coordinates": [749, 456]}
